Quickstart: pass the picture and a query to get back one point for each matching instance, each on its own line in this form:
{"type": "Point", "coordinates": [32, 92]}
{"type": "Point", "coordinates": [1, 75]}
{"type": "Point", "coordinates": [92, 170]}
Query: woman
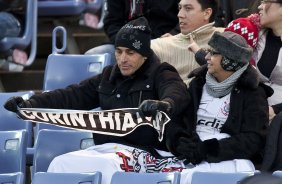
{"type": "Point", "coordinates": [228, 112]}
{"type": "Point", "coordinates": [268, 53]}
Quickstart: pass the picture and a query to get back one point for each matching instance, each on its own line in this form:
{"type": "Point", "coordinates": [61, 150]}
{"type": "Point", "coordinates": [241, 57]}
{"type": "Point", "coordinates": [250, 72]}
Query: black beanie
{"type": "Point", "coordinates": [233, 47]}
{"type": "Point", "coordinates": [135, 35]}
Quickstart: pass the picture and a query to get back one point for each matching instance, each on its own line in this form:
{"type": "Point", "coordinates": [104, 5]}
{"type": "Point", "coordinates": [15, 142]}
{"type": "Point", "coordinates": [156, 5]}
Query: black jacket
{"type": "Point", "coordinates": [272, 159]}
{"type": "Point", "coordinates": [110, 90]}
{"type": "Point", "coordinates": [246, 123]}
{"type": "Point", "coordinates": [161, 15]}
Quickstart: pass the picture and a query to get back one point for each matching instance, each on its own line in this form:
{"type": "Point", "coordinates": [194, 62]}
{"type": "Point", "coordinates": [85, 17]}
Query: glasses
{"type": "Point", "coordinates": [268, 1]}
{"type": "Point", "coordinates": [212, 52]}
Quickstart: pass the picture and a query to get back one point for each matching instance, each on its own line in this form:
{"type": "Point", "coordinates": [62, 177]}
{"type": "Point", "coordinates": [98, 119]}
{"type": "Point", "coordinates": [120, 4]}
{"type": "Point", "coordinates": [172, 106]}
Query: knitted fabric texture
{"type": "Point", "coordinates": [135, 35]}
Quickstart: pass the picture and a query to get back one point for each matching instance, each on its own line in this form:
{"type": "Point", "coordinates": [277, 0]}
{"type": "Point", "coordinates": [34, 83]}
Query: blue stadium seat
{"type": "Point", "coordinates": [12, 178]}
{"type": "Point", "coordinates": [277, 173]}
{"type": "Point", "coordinates": [52, 143]}
{"type": "Point", "coordinates": [29, 36]}
{"type": "Point", "coordinates": [66, 7]}
{"type": "Point", "coordinates": [219, 177]}
{"type": "Point", "coordinates": [68, 178]}
{"type": "Point", "coordinates": [9, 120]}
{"type": "Point", "coordinates": [65, 69]}
{"type": "Point", "coordinates": [148, 178]}
{"type": "Point", "coordinates": [13, 151]}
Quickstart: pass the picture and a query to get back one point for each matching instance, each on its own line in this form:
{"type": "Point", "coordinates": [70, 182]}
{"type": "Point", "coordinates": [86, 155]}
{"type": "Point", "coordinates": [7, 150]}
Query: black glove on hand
{"type": "Point", "coordinates": [150, 107]}
{"type": "Point", "coordinates": [192, 149]}
{"type": "Point", "coordinates": [16, 102]}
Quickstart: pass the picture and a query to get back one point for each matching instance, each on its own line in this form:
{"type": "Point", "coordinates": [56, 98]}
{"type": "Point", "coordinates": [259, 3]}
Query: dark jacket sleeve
{"type": "Point", "coordinates": [277, 108]}
{"type": "Point", "coordinates": [171, 88]}
{"type": "Point", "coordinates": [115, 18]}
{"type": "Point", "coordinates": [82, 96]}
{"type": "Point", "coordinates": [251, 131]}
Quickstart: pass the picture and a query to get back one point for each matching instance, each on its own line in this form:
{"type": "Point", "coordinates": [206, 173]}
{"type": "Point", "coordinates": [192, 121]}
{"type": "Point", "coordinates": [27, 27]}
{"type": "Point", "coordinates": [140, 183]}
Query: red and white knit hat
{"type": "Point", "coordinates": [248, 28]}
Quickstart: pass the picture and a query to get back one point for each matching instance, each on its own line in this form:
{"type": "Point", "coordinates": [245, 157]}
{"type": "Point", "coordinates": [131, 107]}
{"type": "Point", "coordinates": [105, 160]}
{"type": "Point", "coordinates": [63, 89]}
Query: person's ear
{"type": "Point", "coordinates": [207, 13]}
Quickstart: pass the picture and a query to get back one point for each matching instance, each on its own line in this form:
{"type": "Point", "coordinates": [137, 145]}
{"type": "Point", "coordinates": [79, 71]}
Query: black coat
{"type": "Point", "coordinates": [111, 90]}
{"type": "Point", "coordinates": [246, 123]}
{"type": "Point", "coordinates": [161, 15]}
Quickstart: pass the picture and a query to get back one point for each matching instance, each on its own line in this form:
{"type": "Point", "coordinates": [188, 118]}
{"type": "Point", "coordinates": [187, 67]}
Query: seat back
{"type": "Point", "coordinates": [13, 146]}
{"type": "Point", "coordinates": [148, 178]}
{"type": "Point", "coordinates": [60, 8]}
{"type": "Point", "coordinates": [9, 120]}
{"type": "Point", "coordinates": [65, 69]}
{"type": "Point", "coordinates": [69, 178]}
{"type": "Point", "coordinates": [219, 177]}
{"type": "Point", "coordinates": [277, 173]}
{"type": "Point", "coordinates": [12, 178]}
{"type": "Point", "coordinates": [51, 143]}
{"type": "Point", "coordinates": [29, 35]}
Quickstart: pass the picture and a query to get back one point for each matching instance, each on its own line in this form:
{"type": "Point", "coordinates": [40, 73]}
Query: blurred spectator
{"type": "Point", "coordinates": [233, 9]}
{"type": "Point", "coordinates": [196, 19]}
{"type": "Point", "coordinates": [268, 53]}
{"type": "Point", "coordinates": [11, 26]}
{"type": "Point", "coordinates": [162, 17]}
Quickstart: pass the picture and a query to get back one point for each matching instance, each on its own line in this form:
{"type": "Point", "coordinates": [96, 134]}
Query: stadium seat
{"type": "Point", "coordinates": [12, 178]}
{"type": "Point", "coordinates": [51, 143]}
{"type": "Point", "coordinates": [13, 151]}
{"type": "Point", "coordinates": [277, 173]}
{"type": "Point", "coordinates": [68, 178]}
{"type": "Point", "coordinates": [66, 7]}
{"type": "Point", "coordinates": [9, 120]}
{"type": "Point", "coordinates": [148, 178]}
{"type": "Point", "coordinates": [65, 69]}
{"type": "Point", "coordinates": [29, 35]}
{"type": "Point", "coordinates": [219, 177]}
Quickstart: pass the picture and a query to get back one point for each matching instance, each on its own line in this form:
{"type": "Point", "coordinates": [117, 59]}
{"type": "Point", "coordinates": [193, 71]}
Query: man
{"type": "Point", "coordinates": [162, 17]}
{"type": "Point", "coordinates": [195, 20]}
{"type": "Point", "coordinates": [228, 112]}
{"type": "Point", "coordinates": [137, 80]}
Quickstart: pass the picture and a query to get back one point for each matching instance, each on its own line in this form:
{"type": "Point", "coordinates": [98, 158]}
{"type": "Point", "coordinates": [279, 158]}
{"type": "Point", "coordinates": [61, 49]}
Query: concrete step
{"type": "Point", "coordinates": [22, 81]}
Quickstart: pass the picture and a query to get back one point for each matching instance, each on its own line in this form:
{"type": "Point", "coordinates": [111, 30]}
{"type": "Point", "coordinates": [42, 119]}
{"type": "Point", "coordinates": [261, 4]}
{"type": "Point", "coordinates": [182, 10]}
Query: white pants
{"type": "Point", "coordinates": [109, 158]}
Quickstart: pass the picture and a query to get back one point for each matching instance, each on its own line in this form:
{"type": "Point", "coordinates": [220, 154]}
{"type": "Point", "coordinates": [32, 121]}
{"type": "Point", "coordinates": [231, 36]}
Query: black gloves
{"type": "Point", "coordinates": [194, 150]}
{"type": "Point", "coordinates": [150, 107]}
{"type": "Point", "coordinates": [16, 102]}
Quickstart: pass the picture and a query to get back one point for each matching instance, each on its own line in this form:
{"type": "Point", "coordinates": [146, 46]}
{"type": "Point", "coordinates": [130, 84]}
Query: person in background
{"type": "Point", "coordinates": [234, 9]}
{"type": "Point", "coordinates": [268, 58]}
{"type": "Point", "coordinates": [196, 19]}
{"type": "Point", "coordinates": [268, 53]}
{"type": "Point", "coordinates": [161, 15]}
{"type": "Point", "coordinates": [137, 80]}
{"type": "Point", "coordinates": [226, 119]}
{"type": "Point", "coordinates": [11, 19]}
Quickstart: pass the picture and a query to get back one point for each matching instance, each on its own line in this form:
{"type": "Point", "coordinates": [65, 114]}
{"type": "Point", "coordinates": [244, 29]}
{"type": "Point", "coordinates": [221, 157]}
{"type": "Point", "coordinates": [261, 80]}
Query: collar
{"type": "Point", "coordinates": [201, 30]}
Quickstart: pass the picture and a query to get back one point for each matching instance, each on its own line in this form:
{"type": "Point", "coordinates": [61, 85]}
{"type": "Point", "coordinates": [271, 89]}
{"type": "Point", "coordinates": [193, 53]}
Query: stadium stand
{"type": "Point", "coordinates": [219, 177]}
{"type": "Point", "coordinates": [51, 143]}
{"type": "Point", "coordinates": [141, 178]}
{"type": "Point", "coordinates": [12, 178]}
{"type": "Point", "coordinates": [69, 178]}
{"type": "Point", "coordinates": [13, 146]}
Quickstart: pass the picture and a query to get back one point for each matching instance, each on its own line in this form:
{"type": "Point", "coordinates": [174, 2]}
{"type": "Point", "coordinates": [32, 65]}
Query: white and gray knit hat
{"type": "Point", "coordinates": [233, 47]}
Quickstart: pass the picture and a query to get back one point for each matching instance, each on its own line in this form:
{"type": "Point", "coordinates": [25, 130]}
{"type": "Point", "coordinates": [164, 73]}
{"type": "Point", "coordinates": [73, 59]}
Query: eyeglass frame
{"type": "Point", "coordinates": [269, 1]}
{"type": "Point", "coordinates": [212, 52]}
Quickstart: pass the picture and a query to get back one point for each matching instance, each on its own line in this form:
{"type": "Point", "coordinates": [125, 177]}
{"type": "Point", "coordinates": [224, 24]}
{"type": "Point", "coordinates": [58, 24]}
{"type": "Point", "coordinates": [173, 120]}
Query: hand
{"type": "Point", "coordinates": [271, 114]}
{"type": "Point", "coordinates": [192, 149]}
{"type": "Point", "coordinates": [13, 103]}
{"type": "Point", "coordinates": [193, 46]}
{"type": "Point", "coordinates": [150, 107]}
